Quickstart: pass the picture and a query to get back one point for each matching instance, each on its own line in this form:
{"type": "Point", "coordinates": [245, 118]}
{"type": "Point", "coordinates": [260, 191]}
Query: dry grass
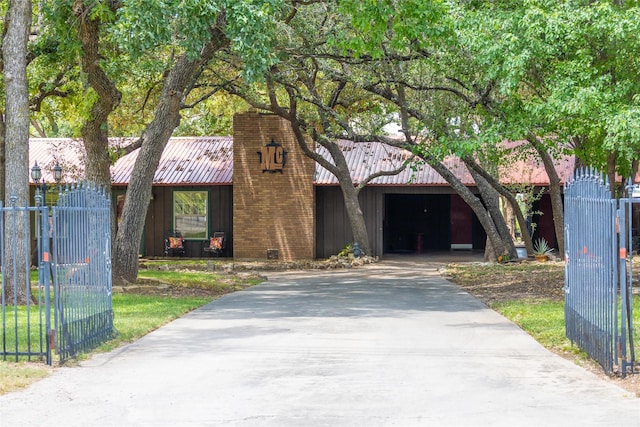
{"type": "Point", "coordinates": [20, 375]}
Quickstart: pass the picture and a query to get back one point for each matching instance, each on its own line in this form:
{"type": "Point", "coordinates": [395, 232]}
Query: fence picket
{"type": "Point", "coordinates": [595, 270]}
{"type": "Point", "coordinates": [74, 262]}
{"type": "Point", "coordinates": [81, 222]}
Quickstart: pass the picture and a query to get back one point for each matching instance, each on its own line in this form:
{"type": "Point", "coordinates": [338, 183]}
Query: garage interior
{"type": "Point", "coordinates": [418, 223]}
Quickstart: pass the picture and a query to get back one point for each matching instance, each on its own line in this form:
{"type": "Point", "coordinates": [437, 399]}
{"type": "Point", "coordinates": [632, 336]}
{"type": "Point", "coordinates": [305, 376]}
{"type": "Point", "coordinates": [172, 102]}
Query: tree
{"type": "Point", "coordinates": [206, 29]}
{"type": "Point", "coordinates": [14, 53]}
{"type": "Point", "coordinates": [154, 140]}
{"type": "Point", "coordinates": [405, 70]}
{"type": "Point", "coordinates": [116, 41]}
{"type": "Point", "coordinates": [318, 76]}
{"type": "Point", "coordinates": [568, 81]}
{"type": "Point", "coordinates": [320, 104]}
{"type": "Point", "coordinates": [94, 131]}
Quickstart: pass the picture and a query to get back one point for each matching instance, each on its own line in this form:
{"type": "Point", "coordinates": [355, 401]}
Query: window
{"type": "Point", "coordinates": [190, 213]}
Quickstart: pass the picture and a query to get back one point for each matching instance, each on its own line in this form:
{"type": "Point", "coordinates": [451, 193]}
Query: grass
{"type": "Point", "coordinates": [217, 283]}
{"type": "Point", "coordinates": [544, 321]}
{"type": "Point", "coordinates": [21, 374]}
{"type": "Point", "coordinates": [136, 315]}
{"type": "Point", "coordinates": [27, 327]}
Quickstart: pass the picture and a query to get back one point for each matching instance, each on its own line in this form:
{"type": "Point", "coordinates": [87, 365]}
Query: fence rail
{"type": "Point", "coordinates": [627, 239]}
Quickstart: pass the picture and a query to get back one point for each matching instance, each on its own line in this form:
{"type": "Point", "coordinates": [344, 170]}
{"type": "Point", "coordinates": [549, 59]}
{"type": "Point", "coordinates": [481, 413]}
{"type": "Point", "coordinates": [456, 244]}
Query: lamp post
{"type": "Point", "coordinates": [41, 191]}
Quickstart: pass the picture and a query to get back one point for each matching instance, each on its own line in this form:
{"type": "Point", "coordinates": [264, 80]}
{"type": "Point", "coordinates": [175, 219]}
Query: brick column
{"type": "Point", "coordinates": [273, 212]}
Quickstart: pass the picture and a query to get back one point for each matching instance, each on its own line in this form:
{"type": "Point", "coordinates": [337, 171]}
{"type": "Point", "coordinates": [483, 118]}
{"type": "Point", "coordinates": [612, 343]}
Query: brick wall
{"type": "Point", "coordinates": [271, 211]}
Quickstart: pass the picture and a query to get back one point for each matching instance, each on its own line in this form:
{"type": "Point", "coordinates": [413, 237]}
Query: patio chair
{"type": "Point", "coordinates": [215, 245]}
{"type": "Point", "coordinates": [174, 244]}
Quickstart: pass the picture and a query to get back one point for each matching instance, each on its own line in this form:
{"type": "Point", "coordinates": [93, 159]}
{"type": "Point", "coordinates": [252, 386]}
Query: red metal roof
{"type": "Point", "coordinates": [186, 161]}
{"type": "Point", "coordinates": [209, 161]}
{"type": "Point", "coordinates": [67, 152]}
{"type": "Point", "coordinates": [365, 158]}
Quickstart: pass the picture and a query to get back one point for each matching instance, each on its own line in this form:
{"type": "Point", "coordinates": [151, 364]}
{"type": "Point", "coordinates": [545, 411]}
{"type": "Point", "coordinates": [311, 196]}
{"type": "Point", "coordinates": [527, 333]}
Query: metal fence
{"type": "Point", "coordinates": [70, 309]}
{"type": "Point", "coordinates": [594, 255]}
{"type": "Point", "coordinates": [628, 243]}
{"type": "Point", "coordinates": [26, 310]}
{"type": "Point", "coordinates": [81, 269]}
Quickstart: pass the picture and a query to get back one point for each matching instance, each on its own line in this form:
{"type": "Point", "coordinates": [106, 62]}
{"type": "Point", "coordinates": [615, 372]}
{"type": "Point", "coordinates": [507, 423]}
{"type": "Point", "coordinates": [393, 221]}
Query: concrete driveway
{"type": "Point", "coordinates": [391, 344]}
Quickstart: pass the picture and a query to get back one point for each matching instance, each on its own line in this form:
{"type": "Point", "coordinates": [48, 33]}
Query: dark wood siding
{"type": "Point", "coordinates": [160, 219]}
{"type": "Point", "coordinates": [333, 231]}
{"type": "Point", "coordinates": [543, 218]}
{"type": "Point", "coordinates": [332, 225]}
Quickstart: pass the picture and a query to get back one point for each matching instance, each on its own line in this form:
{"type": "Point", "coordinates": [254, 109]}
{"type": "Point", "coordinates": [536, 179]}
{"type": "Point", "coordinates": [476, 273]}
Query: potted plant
{"type": "Point", "coordinates": [541, 250]}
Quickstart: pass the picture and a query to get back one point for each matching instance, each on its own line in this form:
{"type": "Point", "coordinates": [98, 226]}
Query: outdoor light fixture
{"type": "Point", "coordinates": [36, 173]}
{"type": "Point", "coordinates": [41, 187]}
{"type": "Point", "coordinates": [57, 173]}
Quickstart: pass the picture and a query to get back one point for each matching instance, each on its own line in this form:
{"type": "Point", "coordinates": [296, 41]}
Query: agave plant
{"type": "Point", "coordinates": [541, 247]}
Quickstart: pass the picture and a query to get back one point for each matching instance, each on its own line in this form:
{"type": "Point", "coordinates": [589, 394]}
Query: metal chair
{"type": "Point", "coordinates": [174, 244]}
{"type": "Point", "coordinates": [215, 245]}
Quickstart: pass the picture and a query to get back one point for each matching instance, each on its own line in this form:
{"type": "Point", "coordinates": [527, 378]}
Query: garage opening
{"type": "Point", "coordinates": [417, 223]}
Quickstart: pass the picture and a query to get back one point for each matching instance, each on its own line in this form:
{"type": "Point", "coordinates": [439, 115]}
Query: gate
{"type": "Point", "coordinates": [81, 269]}
{"type": "Point", "coordinates": [73, 252]}
{"type": "Point", "coordinates": [628, 245]}
{"type": "Point", "coordinates": [596, 256]}
{"type": "Point", "coordinates": [26, 328]}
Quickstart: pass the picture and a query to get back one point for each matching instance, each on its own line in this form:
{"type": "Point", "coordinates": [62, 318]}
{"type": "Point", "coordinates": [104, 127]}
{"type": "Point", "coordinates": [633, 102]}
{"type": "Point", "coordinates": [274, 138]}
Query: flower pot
{"type": "Point", "coordinates": [542, 258]}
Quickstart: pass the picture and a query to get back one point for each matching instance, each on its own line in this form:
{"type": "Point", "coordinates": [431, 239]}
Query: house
{"type": "Point", "coordinates": [274, 202]}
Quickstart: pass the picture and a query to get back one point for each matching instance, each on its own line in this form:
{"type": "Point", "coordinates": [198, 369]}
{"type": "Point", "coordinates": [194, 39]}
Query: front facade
{"type": "Point", "coordinates": [273, 194]}
{"type": "Point", "coordinates": [273, 202]}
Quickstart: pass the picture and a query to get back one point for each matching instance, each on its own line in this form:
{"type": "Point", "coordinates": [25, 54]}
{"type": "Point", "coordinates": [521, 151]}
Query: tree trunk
{"type": "Point", "coordinates": [555, 191]}
{"type": "Point", "coordinates": [339, 168]}
{"type": "Point", "coordinates": [526, 236]}
{"type": "Point", "coordinates": [155, 137]}
{"type": "Point", "coordinates": [497, 243]}
{"type": "Point", "coordinates": [350, 196]}
{"type": "Point", "coordinates": [349, 191]}
{"type": "Point", "coordinates": [356, 217]}
{"type": "Point", "coordinates": [95, 133]}
{"type": "Point", "coordinates": [3, 163]}
{"type": "Point", "coordinates": [617, 190]}
{"type": "Point", "coordinates": [154, 140]}
{"type": "Point", "coordinates": [492, 203]}
{"type": "Point", "coordinates": [18, 24]}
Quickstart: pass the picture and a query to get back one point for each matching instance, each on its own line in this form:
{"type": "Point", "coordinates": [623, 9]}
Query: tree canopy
{"type": "Point", "coordinates": [458, 78]}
